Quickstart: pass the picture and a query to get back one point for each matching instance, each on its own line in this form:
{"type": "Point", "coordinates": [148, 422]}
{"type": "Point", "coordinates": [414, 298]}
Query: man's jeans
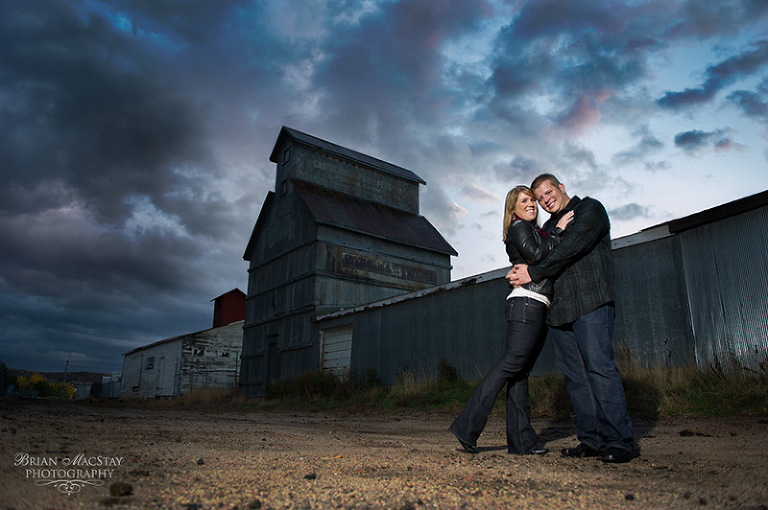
{"type": "Point", "coordinates": [585, 356]}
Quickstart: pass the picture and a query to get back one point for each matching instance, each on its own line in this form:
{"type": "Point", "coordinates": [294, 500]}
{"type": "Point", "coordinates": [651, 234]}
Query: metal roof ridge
{"type": "Point", "coordinates": [399, 298]}
{"type": "Point", "coordinates": [177, 337]}
{"type": "Point", "coordinates": [344, 153]}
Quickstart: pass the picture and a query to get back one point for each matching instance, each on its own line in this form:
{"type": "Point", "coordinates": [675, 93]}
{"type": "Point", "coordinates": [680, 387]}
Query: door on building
{"type": "Point", "coordinates": [336, 349]}
{"type": "Point", "coordinates": [160, 388]}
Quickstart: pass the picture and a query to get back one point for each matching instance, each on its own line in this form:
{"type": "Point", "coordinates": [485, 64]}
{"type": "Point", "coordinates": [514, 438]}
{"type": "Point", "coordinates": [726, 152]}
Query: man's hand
{"type": "Point", "coordinates": [518, 275]}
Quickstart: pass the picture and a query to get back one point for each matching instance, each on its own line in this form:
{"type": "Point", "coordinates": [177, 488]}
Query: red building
{"type": "Point", "coordinates": [228, 308]}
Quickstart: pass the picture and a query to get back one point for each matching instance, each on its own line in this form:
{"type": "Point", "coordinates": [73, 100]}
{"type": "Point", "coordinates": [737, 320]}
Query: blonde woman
{"type": "Point", "coordinates": [526, 311]}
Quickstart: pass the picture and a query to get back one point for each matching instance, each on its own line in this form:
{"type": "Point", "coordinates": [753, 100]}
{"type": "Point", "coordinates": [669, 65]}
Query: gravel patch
{"type": "Point", "coordinates": [156, 457]}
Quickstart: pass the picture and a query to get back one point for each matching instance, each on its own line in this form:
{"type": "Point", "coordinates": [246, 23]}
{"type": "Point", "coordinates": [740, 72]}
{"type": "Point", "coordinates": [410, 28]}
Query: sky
{"type": "Point", "coordinates": [135, 135]}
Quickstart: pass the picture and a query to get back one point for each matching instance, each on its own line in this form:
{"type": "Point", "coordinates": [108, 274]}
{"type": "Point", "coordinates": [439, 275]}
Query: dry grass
{"type": "Point", "coordinates": [723, 388]}
{"type": "Point", "coordinates": [203, 397]}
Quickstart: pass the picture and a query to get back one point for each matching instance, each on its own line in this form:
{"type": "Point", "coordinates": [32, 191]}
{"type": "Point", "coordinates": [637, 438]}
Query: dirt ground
{"type": "Point", "coordinates": [66, 455]}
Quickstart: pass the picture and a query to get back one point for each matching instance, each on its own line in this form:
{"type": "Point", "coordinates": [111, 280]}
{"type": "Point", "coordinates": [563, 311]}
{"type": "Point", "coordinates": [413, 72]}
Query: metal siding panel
{"type": "Point", "coordinates": [726, 269]}
{"type": "Point", "coordinates": [465, 326]}
{"type": "Point", "coordinates": [651, 304]}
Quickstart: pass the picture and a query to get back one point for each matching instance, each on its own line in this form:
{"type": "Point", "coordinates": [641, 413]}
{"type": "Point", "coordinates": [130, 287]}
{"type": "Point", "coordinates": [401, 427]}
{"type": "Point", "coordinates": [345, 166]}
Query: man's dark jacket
{"type": "Point", "coordinates": [581, 265]}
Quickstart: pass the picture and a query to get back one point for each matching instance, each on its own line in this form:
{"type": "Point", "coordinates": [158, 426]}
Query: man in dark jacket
{"type": "Point", "coordinates": [580, 322]}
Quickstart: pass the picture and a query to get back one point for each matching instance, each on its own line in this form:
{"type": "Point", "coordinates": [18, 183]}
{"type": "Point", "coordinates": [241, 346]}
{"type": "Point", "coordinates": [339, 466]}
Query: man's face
{"type": "Point", "coordinates": [551, 198]}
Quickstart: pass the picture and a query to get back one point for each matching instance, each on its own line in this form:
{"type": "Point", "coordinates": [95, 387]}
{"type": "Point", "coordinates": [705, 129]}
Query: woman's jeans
{"type": "Point", "coordinates": [525, 337]}
{"type": "Point", "coordinates": [585, 355]}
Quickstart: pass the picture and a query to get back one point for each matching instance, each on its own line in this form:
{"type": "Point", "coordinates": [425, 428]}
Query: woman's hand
{"type": "Point", "coordinates": [565, 220]}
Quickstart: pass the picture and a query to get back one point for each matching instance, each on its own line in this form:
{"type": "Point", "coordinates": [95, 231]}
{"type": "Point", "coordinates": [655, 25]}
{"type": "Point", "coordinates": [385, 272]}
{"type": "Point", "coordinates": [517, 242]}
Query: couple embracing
{"type": "Point", "coordinates": [562, 289]}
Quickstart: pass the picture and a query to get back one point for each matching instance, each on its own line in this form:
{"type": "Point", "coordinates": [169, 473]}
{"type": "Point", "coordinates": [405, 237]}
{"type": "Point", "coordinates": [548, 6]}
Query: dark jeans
{"type": "Point", "coordinates": [585, 355]}
{"type": "Point", "coordinates": [525, 337]}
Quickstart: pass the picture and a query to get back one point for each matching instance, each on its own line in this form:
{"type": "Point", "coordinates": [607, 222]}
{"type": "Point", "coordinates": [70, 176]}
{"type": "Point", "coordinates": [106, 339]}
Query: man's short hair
{"type": "Point", "coordinates": [545, 177]}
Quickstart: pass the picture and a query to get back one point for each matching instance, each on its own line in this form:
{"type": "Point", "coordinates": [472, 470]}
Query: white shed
{"type": "Point", "coordinates": [171, 367]}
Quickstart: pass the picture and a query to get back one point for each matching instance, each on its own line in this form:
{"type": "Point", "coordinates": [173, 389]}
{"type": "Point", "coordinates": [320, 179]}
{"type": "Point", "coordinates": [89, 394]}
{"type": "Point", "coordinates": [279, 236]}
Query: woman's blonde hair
{"type": "Point", "coordinates": [509, 205]}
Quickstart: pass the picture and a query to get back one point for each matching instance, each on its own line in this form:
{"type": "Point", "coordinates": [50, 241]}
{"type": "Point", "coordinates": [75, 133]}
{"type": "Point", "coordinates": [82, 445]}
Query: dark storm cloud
{"type": "Point", "coordinates": [583, 174]}
{"type": "Point", "coordinates": [655, 166]}
{"type": "Point", "coordinates": [719, 76]}
{"type": "Point", "coordinates": [692, 141]}
{"type": "Point", "coordinates": [753, 104]}
{"type": "Point", "coordinates": [385, 73]}
{"type": "Point", "coordinates": [704, 18]}
{"type": "Point", "coordinates": [107, 162]}
{"type": "Point", "coordinates": [647, 145]}
{"type": "Point", "coordinates": [70, 251]}
{"type": "Point", "coordinates": [583, 50]}
{"type": "Point", "coordinates": [524, 164]}
{"type": "Point", "coordinates": [628, 212]}
{"type": "Point", "coordinates": [576, 155]}
{"type": "Point", "coordinates": [94, 118]}
{"type": "Point", "coordinates": [192, 22]}
{"type": "Point", "coordinates": [521, 169]}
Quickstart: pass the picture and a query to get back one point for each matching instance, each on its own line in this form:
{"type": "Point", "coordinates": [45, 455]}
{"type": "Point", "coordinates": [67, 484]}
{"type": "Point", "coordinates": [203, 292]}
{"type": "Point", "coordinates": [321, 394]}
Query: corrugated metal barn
{"type": "Point", "coordinates": [687, 292]}
{"type": "Point", "coordinates": [341, 229]}
{"type": "Point", "coordinates": [693, 290]}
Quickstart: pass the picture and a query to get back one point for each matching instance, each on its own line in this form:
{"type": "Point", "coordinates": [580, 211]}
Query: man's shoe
{"type": "Point", "coordinates": [580, 451]}
{"type": "Point", "coordinates": [618, 455]}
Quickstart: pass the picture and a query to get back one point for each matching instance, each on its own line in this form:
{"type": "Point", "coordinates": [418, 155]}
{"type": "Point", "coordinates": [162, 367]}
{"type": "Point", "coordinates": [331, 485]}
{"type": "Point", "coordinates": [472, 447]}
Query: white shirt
{"type": "Point", "coordinates": [521, 292]}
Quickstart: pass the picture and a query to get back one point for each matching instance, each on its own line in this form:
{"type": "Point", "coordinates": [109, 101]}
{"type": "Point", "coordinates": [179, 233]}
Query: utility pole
{"type": "Point", "coordinates": [66, 367]}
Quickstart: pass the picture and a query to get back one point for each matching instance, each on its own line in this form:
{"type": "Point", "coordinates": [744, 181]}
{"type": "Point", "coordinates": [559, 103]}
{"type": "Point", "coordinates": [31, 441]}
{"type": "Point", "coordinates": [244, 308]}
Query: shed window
{"type": "Point", "coordinates": [150, 363]}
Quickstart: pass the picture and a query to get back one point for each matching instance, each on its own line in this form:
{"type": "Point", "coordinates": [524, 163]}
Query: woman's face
{"type": "Point", "coordinates": [525, 208]}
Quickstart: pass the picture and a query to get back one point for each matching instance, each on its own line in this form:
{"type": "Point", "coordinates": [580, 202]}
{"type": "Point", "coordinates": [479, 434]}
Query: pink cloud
{"type": "Point", "coordinates": [584, 113]}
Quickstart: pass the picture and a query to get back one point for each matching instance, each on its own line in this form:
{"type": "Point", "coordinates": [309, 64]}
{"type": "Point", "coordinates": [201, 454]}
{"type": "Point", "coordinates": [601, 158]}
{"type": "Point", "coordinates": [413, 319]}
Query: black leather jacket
{"type": "Point", "coordinates": [527, 245]}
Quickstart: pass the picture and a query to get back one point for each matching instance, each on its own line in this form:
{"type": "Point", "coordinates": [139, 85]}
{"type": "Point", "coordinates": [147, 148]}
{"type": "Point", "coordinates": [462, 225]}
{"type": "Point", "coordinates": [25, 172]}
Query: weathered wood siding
{"type": "Point", "coordinates": [152, 372]}
{"type": "Point", "coordinates": [205, 359]}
